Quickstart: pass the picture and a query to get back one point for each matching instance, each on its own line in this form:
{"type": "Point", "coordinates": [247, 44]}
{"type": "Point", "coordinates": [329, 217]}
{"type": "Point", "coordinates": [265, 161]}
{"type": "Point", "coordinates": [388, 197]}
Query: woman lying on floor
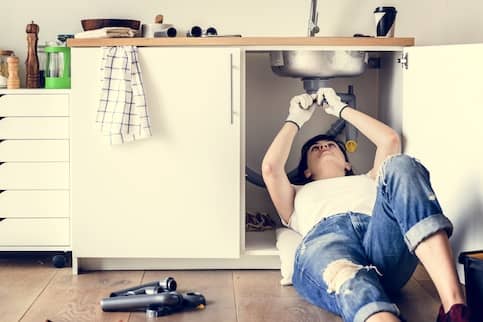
{"type": "Point", "coordinates": [363, 234]}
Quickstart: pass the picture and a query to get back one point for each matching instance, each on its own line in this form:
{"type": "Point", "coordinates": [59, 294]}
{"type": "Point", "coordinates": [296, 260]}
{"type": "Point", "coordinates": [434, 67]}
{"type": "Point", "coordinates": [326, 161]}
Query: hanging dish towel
{"type": "Point", "coordinates": [122, 115]}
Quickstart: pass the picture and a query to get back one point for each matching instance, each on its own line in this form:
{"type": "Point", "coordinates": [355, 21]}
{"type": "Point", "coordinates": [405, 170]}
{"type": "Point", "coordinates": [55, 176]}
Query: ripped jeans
{"type": "Point", "coordinates": [349, 263]}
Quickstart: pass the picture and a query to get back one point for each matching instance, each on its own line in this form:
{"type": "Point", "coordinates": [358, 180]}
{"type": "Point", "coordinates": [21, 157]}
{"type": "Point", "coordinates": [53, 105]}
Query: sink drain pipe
{"type": "Point", "coordinates": [311, 86]}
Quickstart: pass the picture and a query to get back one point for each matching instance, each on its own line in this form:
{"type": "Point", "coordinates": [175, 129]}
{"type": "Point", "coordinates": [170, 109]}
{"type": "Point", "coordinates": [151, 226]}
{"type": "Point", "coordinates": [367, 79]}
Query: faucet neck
{"type": "Point", "coordinates": [313, 19]}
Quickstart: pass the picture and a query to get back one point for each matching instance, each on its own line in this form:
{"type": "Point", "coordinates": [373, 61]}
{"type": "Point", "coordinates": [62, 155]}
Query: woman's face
{"type": "Point", "coordinates": [325, 155]}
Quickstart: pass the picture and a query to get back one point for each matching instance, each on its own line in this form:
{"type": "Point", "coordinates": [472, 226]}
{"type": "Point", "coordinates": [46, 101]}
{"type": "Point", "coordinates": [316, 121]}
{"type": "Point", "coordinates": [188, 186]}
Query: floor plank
{"type": "Point", "coordinates": [76, 297]}
{"type": "Point", "coordinates": [21, 282]}
{"type": "Point", "coordinates": [283, 309]}
{"type": "Point", "coordinates": [415, 303]}
{"type": "Point", "coordinates": [422, 277]}
{"type": "Point", "coordinates": [261, 283]}
{"type": "Point", "coordinates": [261, 298]}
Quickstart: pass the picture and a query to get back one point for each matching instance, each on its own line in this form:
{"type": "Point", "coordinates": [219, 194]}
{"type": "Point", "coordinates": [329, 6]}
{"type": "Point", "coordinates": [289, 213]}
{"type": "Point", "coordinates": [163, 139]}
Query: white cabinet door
{"type": "Point", "coordinates": [442, 126]}
{"type": "Point", "coordinates": [176, 194]}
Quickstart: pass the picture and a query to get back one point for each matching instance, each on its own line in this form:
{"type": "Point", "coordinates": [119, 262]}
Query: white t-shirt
{"type": "Point", "coordinates": [322, 198]}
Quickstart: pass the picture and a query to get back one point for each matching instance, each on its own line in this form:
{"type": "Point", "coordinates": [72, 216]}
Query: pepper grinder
{"type": "Point", "coordinates": [32, 62]}
{"type": "Point", "coordinates": [13, 81]}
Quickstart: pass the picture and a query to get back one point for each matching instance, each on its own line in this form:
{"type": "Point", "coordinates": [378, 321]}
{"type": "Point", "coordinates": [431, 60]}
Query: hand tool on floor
{"type": "Point", "coordinates": [157, 298]}
{"type": "Point", "coordinates": [166, 285]}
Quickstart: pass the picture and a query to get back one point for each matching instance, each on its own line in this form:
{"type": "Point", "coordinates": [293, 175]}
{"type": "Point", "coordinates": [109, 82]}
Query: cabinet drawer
{"type": "Point", "coordinates": [34, 128]}
{"type": "Point", "coordinates": [34, 105]}
{"type": "Point", "coordinates": [24, 203]}
{"type": "Point", "coordinates": [34, 232]}
{"type": "Point", "coordinates": [34, 150]}
{"type": "Point", "coordinates": [25, 176]}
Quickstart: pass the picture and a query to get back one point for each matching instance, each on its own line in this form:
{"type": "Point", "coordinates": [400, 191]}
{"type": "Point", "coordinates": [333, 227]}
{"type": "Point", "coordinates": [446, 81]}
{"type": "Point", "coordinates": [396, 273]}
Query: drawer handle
{"type": "Point", "coordinates": [2, 219]}
{"type": "Point", "coordinates": [2, 191]}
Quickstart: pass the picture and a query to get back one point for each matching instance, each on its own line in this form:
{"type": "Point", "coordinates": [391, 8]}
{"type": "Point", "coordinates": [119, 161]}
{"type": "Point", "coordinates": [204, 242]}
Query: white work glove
{"type": "Point", "coordinates": [301, 109]}
{"type": "Point", "coordinates": [334, 104]}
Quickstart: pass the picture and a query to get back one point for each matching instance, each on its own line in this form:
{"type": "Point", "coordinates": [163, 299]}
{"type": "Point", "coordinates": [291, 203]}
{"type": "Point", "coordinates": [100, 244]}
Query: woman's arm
{"type": "Point", "coordinates": [387, 140]}
{"type": "Point", "coordinates": [273, 171]}
{"type": "Point", "coordinates": [273, 165]}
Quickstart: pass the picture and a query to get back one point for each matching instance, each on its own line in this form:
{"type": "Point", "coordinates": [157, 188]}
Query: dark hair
{"type": "Point", "coordinates": [303, 165]}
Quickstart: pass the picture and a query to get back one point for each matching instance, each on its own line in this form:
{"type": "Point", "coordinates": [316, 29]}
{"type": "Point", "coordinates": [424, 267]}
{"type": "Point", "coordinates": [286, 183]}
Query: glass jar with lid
{"type": "Point", "coordinates": [4, 54]}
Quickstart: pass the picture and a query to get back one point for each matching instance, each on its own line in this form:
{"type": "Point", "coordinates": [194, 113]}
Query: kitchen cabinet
{"type": "Point", "coordinates": [176, 194]}
{"type": "Point", "coordinates": [131, 201]}
{"type": "Point", "coordinates": [34, 170]}
{"type": "Point", "coordinates": [442, 127]}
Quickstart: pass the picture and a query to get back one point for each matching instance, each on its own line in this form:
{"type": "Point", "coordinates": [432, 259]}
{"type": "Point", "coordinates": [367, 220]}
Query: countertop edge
{"type": "Point", "coordinates": [243, 41]}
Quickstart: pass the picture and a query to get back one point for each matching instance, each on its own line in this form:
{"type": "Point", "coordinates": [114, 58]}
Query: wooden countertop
{"type": "Point", "coordinates": [243, 41]}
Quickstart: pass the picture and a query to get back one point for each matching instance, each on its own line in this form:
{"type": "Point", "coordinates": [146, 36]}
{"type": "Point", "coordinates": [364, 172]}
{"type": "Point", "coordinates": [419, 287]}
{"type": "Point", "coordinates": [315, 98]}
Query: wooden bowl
{"type": "Point", "coordinates": [92, 24]}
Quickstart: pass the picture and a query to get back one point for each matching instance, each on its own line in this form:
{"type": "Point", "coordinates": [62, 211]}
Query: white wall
{"type": "Point", "coordinates": [429, 21]}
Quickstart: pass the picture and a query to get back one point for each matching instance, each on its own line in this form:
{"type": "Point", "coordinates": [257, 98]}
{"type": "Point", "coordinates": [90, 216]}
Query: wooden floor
{"type": "Point", "coordinates": [31, 290]}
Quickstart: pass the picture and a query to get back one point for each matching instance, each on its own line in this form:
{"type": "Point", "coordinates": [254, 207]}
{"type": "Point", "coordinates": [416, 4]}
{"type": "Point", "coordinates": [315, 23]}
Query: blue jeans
{"type": "Point", "coordinates": [349, 263]}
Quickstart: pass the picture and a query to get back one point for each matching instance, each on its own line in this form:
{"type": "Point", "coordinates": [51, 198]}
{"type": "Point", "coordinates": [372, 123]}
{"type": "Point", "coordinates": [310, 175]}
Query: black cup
{"type": "Point", "coordinates": [385, 21]}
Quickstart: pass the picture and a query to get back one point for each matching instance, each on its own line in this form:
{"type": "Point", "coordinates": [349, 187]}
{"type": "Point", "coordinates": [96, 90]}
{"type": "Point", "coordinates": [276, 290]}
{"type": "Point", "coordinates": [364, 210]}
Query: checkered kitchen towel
{"type": "Point", "coordinates": [122, 115]}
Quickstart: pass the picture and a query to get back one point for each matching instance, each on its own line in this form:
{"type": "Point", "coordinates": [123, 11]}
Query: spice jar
{"type": "Point", "coordinates": [13, 80]}
{"type": "Point", "coordinates": [4, 54]}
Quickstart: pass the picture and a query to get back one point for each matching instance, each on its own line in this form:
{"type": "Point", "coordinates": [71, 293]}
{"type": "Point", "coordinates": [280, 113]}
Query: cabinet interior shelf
{"type": "Point", "coordinates": [260, 243]}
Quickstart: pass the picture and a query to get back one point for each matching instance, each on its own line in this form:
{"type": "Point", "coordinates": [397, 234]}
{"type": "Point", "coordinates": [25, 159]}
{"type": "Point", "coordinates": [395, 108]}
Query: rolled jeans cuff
{"type": "Point", "coordinates": [425, 228]}
{"type": "Point", "coordinates": [375, 307]}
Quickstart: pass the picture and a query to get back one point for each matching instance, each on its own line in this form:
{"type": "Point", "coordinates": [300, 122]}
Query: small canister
{"type": "Point", "coordinates": [57, 70]}
{"type": "Point", "coordinates": [13, 79]}
{"type": "Point", "coordinates": [4, 54]}
{"type": "Point", "coordinates": [154, 30]}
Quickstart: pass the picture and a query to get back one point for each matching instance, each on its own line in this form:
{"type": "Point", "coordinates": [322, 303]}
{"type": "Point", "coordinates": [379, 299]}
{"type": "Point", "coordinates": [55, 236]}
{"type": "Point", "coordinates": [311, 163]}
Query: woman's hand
{"type": "Point", "coordinates": [301, 109]}
{"type": "Point", "coordinates": [386, 140]}
{"type": "Point", "coordinates": [334, 104]}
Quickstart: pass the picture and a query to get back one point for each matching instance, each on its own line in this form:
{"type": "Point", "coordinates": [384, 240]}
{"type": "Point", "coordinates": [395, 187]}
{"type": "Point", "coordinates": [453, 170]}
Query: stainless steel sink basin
{"type": "Point", "coordinates": [318, 64]}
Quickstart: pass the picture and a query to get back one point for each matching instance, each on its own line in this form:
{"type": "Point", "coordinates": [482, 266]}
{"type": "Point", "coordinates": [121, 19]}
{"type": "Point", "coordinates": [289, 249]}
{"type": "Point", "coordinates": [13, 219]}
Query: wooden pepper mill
{"type": "Point", "coordinates": [13, 81]}
{"type": "Point", "coordinates": [32, 62]}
